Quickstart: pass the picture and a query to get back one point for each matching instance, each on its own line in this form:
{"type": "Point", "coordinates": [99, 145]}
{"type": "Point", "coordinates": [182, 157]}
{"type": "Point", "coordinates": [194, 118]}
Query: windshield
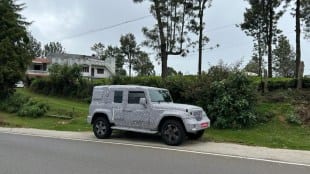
{"type": "Point", "coordinates": [158, 95]}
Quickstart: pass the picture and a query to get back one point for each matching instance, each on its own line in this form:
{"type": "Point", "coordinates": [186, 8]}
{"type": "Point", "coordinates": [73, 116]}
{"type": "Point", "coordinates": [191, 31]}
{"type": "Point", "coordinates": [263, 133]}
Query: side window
{"type": "Point", "coordinates": [134, 96]}
{"type": "Point", "coordinates": [118, 96]}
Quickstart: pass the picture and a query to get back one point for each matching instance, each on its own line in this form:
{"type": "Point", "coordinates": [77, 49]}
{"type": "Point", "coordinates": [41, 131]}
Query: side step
{"type": "Point", "coordinates": [134, 130]}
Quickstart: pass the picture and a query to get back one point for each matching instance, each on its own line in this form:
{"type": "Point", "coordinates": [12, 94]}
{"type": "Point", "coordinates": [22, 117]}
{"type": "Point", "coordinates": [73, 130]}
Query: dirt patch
{"type": "Point", "coordinates": [303, 111]}
{"type": "Point", "coordinates": [63, 122]}
{"type": "Point", "coordinates": [282, 119]}
{"type": "Point", "coordinates": [3, 123]}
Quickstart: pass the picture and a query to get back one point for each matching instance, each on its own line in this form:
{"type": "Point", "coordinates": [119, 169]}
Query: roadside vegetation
{"type": "Point", "coordinates": [238, 108]}
{"type": "Point", "coordinates": [287, 123]}
{"type": "Point", "coordinates": [281, 117]}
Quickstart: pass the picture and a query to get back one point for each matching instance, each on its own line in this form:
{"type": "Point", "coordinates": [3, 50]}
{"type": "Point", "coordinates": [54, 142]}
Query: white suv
{"type": "Point", "coordinates": [146, 110]}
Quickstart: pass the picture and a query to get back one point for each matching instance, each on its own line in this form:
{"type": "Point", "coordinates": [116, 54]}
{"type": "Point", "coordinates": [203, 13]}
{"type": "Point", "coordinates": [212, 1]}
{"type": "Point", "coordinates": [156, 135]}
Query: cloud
{"type": "Point", "coordinates": [51, 21]}
{"type": "Point", "coordinates": [55, 20]}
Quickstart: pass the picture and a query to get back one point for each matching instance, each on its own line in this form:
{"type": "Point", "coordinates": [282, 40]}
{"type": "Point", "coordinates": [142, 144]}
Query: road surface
{"type": "Point", "coordinates": [21, 154]}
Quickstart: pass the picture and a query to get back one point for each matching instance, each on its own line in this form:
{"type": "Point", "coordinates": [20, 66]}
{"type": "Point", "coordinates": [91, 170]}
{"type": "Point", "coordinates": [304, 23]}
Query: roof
{"type": "Point", "coordinates": [40, 60]}
{"type": "Point", "coordinates": [126, 86]}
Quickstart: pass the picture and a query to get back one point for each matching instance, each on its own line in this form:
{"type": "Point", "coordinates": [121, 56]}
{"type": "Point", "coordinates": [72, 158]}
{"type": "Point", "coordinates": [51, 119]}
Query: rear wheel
{"type": "Point", "coordinates": [102, 128]}
{"type": "Point", "coordinates": [172, 132]}
{"type": "Point", "coordinates": [195, 136]}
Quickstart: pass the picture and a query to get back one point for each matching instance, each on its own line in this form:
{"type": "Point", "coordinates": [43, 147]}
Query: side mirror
{"type": "Point", "coordinates": [142, 101]}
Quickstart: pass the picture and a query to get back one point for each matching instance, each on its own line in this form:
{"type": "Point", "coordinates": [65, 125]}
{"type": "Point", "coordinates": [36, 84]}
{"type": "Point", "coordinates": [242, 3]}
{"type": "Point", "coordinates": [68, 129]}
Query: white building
{"type": "Point", "coordinates": [92, 67]}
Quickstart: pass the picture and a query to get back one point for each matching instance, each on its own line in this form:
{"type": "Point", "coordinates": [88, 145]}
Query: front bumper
{"type": "Point", "coordinates": [193, 126]}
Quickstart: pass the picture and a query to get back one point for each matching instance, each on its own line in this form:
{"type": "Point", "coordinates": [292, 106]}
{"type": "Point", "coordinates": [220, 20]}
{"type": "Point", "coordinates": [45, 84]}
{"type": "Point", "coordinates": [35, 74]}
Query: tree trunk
{"type": "Point", "coordinates": [163, 46]}
{"type": "Point", "coordinates": [270, 36]}
{"type": "Point", "coordinates": [260, 61]}
{"type": "Point", "coordinates": [129, 69]}
{"type": "Point", "coordinates": [300, 75]}
{"type": "Point", "coordinates": [260, 56]}
{"type": "Point", "coordinates": [298, 53]}
{"type": "Point", "coordinates": [201, 6]}
{"type": "Point", "coordinates": [129, 66]}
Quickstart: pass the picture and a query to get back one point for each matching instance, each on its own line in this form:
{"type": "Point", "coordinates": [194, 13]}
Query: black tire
{"type": "Point", "coordinates": [195, 136]}
{"type": "Point", "coordinates": [102, 128]}
{"type": "Point", "coordinates": [172, 132]}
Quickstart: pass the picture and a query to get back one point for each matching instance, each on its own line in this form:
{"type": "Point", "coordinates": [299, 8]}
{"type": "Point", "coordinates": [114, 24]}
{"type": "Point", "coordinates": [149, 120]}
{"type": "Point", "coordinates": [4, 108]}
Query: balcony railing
{"type": "Point", "coordinates": [37, 72]}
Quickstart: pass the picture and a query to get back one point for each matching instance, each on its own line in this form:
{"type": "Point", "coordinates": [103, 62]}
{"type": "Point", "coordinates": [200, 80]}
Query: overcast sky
{"type": "Point", "coordinates": [60, 20]}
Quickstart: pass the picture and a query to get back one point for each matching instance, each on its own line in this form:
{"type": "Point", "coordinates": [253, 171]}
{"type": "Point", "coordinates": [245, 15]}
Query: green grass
{"type": "Point", "coordinates": [276, 133]}
{"type": "Point", "coordinates": [58, 106]}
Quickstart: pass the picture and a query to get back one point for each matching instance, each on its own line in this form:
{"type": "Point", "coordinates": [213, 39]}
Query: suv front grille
{"type": "Point", "coordinates": [197, 115]}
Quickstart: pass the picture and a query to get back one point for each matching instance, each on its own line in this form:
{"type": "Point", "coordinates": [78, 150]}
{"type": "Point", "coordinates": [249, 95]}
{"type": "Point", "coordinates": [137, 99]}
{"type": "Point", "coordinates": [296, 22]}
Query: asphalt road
{"type": "Point", "coordinates": [20, 154]}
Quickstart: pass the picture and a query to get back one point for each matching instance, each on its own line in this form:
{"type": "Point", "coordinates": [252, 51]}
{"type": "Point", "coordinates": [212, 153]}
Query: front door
{"type": "Point", "coordinates": [136, 115]}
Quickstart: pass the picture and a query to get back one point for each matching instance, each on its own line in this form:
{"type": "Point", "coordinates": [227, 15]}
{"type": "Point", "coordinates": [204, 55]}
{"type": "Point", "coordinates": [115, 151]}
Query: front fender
{"type": "Point", "coordinates": [170, 113]}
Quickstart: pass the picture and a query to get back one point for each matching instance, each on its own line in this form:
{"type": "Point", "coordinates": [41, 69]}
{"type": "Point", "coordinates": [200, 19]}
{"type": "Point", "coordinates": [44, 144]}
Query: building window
{"type": "Point", "coordinates": [134, 97]}
{"type": "Point", "coordinates": [118, 96]}
{"type": "Point", "coordinates": [37, 67]}
{"type": "Point", "coordinates": [100, 71]}
{"type": "Point", "coordinates": [85, 69]}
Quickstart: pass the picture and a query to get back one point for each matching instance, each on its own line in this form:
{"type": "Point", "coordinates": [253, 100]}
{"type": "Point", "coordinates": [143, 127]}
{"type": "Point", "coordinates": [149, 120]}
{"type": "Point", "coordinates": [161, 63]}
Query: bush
{"type": "Point", "coordinates": [13, 103]}
{"type": "Point", "coordinates": [281, 83]}
{"type": "Point", "coordinates": [33, 109]}
{"type": "Point", "coordinates": [293, 119]}
{"type": "Point", "coordinates": [64, 81]}
{"type": "Point", "coordinates": [23, 106]}
{"type": "Point", "coordinates": [231, 102]}
{"type": "Point", "coordinates": [306, 83]}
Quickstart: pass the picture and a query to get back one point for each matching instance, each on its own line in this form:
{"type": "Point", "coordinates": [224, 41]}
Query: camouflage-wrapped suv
{"type": "Point", "coordinates": [144, 109]}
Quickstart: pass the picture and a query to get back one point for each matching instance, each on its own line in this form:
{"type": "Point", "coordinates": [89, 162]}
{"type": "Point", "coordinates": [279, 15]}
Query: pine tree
{"type": "Point", "coordinates": [14, 48]}
{"type": "Point", "coordinates": [284, 58]}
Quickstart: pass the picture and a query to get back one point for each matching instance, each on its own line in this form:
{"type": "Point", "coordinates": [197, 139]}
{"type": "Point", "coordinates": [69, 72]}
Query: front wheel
{"type": "Point", "coordinates": [172, 132]}
{"type": "Point", "coordinates": [195, 136]}
{"type": "Point", "coordinates": [102, 128]}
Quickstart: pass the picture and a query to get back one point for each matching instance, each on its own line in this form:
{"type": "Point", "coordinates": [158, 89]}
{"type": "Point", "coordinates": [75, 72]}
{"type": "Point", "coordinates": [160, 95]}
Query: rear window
{"type": "Point", "coordinates": [97, 94]}
{"type": "Point", "coordinates": [118, 96]}
{"type": "Point", "coordinates": [134, 96]}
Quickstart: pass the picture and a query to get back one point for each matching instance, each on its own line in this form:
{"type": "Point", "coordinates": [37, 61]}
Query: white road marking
{"type": "Point", "coordinates": [161, 148]}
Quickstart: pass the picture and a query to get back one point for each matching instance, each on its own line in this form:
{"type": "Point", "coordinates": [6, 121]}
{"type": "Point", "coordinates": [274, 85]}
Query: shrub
{"type": "Point", "coordinates": [33, 109]}
{"type": "Point", "coordinates": [231, 102]}
{"type": "Point", "coordinates": [281, 83]}
{"type": "Point", "coordinates": [23, 106]}
{"type": "Point", "coordinates": [13, 103]}
{"type": "Point", "coordinates": [306, 83]}
{"type": "Point", "coordinates": [64, 81]}
{"type": "Point", "coordinates": [293, 119]}
{"type": "Point", "coordinates": [264, 117]}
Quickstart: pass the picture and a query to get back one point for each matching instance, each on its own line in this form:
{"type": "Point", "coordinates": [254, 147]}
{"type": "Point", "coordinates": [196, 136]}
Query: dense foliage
{"type": "Point", "coordinates": [64, 80]}
{"type": "Point", "coordinates": [14, 51]}
{"type": "Point", "coordinates": [229, 101]}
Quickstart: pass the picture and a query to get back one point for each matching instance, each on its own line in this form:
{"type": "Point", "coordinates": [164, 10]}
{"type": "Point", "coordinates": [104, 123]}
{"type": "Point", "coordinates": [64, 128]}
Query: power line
{"type": "Point", "coordinates": [105, 28]}
{"type": "Point", "coordinates": [220, 27]}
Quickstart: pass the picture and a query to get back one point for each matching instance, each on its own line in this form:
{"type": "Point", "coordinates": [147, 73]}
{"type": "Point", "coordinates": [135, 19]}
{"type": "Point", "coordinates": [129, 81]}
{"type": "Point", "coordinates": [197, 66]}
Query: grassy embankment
{"type": "Point", "coordinates": [276, 133]}
{"type": "Point", "coordinates": [58, 106]}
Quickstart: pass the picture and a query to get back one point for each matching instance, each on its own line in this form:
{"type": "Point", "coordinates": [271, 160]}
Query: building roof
{"type": "Point", "coordinates": [127, 87]}
{"type": "Point", "coordinates": [40, 60]}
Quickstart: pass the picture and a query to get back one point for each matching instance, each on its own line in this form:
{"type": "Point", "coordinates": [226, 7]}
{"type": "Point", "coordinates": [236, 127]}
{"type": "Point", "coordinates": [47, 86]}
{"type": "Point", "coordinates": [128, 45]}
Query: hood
{"type": "Point", "coordinates": [175, 106]}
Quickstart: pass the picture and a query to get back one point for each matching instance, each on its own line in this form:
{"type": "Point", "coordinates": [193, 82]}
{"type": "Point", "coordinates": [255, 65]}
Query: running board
{"type": "Point", "coordinates": [134, 130]}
